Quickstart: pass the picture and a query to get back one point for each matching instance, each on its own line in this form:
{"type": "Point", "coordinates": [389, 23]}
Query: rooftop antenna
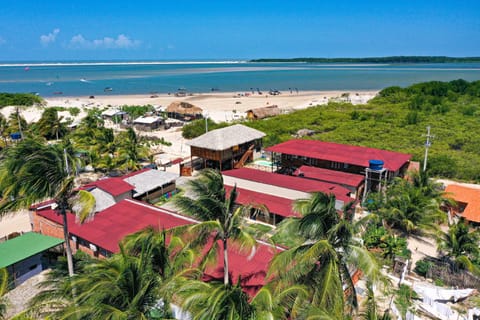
{"type": "Point", "coordinates": [427, 145]}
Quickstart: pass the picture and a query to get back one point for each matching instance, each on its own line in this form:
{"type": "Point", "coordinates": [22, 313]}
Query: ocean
{"type": "Point", "coordinates": [117, 78]}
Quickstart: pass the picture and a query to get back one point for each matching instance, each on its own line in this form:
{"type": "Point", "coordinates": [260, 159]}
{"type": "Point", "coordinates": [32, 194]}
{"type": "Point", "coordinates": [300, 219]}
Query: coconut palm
{"type": "Point", "coordinates": [51, 125]}
{"type": "Point", "coordinates": [119, 287]}
{"type": "Point", "coordinates": [171, 260]}
{"type": "Point", "coordinates": [31, 172]}
{"type": "Point", "coordinates": [222, 220]}
{"type": "Point", "coordinates": [323, 262]}
{"type": "Point", "coordinates": [461, 244]}
{"type": "Point", "coordinates": [130, 150]}
{"type": "Point", "coordinates": [411, 209]}
{"type": "Point", "coordinates": [3, 290]}
{"type": "Point", "coordinates": [215, 300]}
{"type": "Point", "coordinates": [277, 302]}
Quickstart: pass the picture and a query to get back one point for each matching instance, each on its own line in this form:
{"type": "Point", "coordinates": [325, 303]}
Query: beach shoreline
{"type": "Point", "coordinates": [217, 106]}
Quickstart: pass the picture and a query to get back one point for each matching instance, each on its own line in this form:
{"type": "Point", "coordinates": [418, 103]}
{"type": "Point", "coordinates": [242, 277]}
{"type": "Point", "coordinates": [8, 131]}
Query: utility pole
{"type": "Point", "coordinates": [19, 125]}
{"type": "Point", "coordinates": [427, 145]}
{"type": "Point", "coordinates": [206, 121]}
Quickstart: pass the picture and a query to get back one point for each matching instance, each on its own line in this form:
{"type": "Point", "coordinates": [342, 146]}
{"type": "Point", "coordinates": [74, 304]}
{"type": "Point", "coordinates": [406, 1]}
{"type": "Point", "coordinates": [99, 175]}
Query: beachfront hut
{"type": "Point", "coordinates": [228, 147]}
{"type": "Point", "coordinates": [148, 123]}
{"type": "Point", "coordinates": [113, 113]}
{"type": "Point", "coordinates": [261, 113]}
{"type": "Point", "coordinates": [184, 110]}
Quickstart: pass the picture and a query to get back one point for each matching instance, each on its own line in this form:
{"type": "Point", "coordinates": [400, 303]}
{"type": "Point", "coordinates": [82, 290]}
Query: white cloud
{"type": "Point", "coordinates": [121, 42]}
{"type": "Point", "coordinates": [49, 38]}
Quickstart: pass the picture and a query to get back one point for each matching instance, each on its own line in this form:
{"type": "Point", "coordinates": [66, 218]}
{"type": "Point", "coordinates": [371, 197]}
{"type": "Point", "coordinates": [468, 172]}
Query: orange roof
{"type": "Point", "coordinates": [469, 196]}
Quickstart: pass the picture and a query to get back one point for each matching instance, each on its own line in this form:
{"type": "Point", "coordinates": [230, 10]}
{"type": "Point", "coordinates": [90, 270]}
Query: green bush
{"type": "Point", "coordinates": [422, 267]}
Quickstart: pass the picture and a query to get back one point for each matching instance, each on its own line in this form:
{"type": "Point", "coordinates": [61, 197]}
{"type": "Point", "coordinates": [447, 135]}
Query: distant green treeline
{"type": "Point", "coordinates": [393, 59]}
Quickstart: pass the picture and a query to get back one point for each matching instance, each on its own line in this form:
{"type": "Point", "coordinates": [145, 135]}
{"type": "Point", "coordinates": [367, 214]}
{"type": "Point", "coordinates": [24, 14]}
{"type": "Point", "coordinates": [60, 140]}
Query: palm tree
{"type": "Point", "coordinates": [328, 252]}
{"type": "Point", "coordinates": [172, 261]}
{"type": "Point", "coordinates": [411, 208]}
{"type": "Point", "coordinates": [51, 125]}
{"type": "Point", "coordinates": [31, 172]}
{"type": "Point", "coordinates": [122, 286]}
{"type": "Point", "coordinates": [215, 301]}
{"type": "Point", "coordinates": [222, 220]}
{"type": "Point", "coordinates": [3, 290]}
{"type": "Point", "coordinates": [277, 302]}
{"type": "Point", "coordinates": [130, 150]}
{"type": "Point", "coordinates": [461, 244]}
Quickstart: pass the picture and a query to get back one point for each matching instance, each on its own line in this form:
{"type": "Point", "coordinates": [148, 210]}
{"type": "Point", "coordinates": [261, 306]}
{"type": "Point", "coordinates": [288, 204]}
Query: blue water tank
{"type": "Point", "coordinates": [15, 136]}
{"type": "Point", "coordinates": [376, 164]}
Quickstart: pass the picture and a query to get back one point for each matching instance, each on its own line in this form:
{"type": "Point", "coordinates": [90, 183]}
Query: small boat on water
{"type": "Point", "coordinates": [108, 89]}
{"type": "Point", "coordinates": [58, 92]}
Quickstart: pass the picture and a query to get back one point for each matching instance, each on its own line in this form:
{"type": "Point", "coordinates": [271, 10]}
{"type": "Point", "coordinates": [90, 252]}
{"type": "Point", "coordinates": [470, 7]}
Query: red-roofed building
{"type": "Point", "coordinates": [114, 186]}
{"type": "Point", "coordinates": [351, 181]}
{"type": "Point", "coordinates": [336, 156]}
{"type": "Point", "coordinates": [101, 235]}
{"type": "Point", "coordinates": [252, 269]}
{"type": "Point", "coordinates": [278, 207]}
{"type": "Point", "coordinates": [146, 185]}
{"type": "Point", "coordinates": [287, 183]}
{"type": "Point", "coordinates": [468, 202]}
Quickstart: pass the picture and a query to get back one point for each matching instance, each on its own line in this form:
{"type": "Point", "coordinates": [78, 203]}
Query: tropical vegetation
{"type": "Point", "coordinates": [32, 171]}
{"type": "Point", "coordinates": [327, 257]}
{"type": "Point", "coordinates": [19, 99]}
{"type": "Point", "coordinates": [396, 119]}
{"type": "Point", "coordinates": [221, 218]}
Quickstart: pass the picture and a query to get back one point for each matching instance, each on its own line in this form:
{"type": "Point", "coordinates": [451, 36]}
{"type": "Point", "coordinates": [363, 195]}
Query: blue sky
{"type": "Point", "coordinates": [105, 30]}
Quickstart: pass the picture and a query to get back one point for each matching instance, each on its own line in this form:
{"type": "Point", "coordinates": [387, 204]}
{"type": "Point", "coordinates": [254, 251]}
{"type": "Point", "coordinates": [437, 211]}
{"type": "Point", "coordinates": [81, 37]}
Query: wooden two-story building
{"type": "Point", "coordinates": [228, 147]}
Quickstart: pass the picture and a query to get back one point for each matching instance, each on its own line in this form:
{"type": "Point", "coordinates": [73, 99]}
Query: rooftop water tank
{"type": "Point", "coordinates": [15, 136]}
{"type": "Point", "coordinates": [375, 164]}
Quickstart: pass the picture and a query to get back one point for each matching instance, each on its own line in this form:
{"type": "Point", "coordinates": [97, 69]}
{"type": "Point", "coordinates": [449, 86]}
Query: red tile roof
{"type": "Point", "coordinates": [114, 186]}
{"type": "Point", "coordinates": [277, 205]}
{"type": "Point", "coordinates": [112, 224]}
{"type": "Point", "coordinates": [342, 153]}
{"type": "Point", "coordinates": [290, 182]}
{"type": "Point", "coordinates": [469, 196]}
{"type": "Point", "coordinates": [333, 176]}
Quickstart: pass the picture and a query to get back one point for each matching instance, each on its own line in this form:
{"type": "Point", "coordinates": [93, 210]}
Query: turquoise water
{"type": "Point", "coordinates": [76, 79]}
{"type": "Point", "coordinates": [264, 163]}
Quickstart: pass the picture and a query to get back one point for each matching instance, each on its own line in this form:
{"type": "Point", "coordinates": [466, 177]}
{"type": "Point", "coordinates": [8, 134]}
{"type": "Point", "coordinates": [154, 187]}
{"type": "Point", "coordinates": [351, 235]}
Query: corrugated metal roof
{"type": "Point", "coordinates": [225, 138]}
{"type": "Point", "coordinates": [25, 246]}
{"type": "Point", "coordinates": [341, 153]}
{"type": "Point", "coordinates": [115, 186]}
{"type": "Point", "coordinates": [333, 176]}
{"type": "Point", "coordinates": [148, 180]}
{"type": "Point", "coordinates": [290, 182]}
{"type": "Point", "coordinates": [250, 269]}
{"type": "Point", "coordinates": [147, 120]}
{"type": "Point", "coordinates": [274, 204]}
{"type": "Point", "coordinates": [110, 226]}
{"type": "Point", "coordinates": [469, 196]}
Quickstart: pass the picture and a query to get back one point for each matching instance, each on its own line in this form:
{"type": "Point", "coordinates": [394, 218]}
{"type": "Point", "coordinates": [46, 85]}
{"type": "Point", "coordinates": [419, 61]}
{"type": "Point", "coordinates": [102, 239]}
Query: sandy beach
{"type": "Point", "coordinates": [218, 106]}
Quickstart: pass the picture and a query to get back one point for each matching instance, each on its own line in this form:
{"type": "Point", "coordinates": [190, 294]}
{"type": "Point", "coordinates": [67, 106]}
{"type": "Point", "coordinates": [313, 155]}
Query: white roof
{"type": "Point", "coordinates": [150, 180]}
{"type": "Point", "coordinates": [103, 199]}
{"type": "Point", "coordinates": [224, 138]}
{"type": "Point", "coordinates": [112, 112]}
{"type": "Point", "coordinates": [147, 120]}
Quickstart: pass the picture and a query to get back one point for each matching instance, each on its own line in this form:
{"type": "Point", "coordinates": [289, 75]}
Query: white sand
{"type": "Point", "coordinates": [217, 106]}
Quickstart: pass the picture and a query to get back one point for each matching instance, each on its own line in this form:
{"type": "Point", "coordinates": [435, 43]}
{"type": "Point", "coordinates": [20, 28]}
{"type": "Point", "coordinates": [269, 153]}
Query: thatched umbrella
{"type": "Point", "coordinates": [184, 108]}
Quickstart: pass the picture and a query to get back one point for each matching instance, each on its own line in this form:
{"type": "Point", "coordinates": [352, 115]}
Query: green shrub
{"type": "Point", "coordinates": [422, 267]}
